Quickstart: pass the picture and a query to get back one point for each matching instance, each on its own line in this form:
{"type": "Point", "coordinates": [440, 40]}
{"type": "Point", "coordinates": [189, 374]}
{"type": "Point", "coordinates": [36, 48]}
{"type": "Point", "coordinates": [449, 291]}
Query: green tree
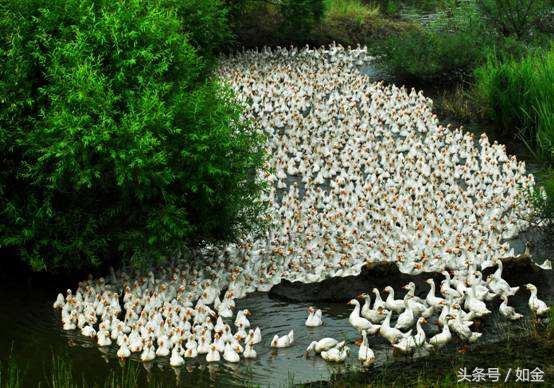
{"type": "Point", "coordinates": [116, 142]}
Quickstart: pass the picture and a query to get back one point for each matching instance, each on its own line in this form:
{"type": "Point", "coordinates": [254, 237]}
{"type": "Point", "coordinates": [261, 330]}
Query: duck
{"type": "Point", "coordinates": [391, 304]}
{"type": "Point", "coordinates": [375, 315]}
{"type": "Point", "coordinates": [441, 339]}
{"type": "Point", "coordinates": [508, 311]}
{"type": "Point", "coordinates": [358, 322]}
{"type": "Point", "coordinates": [336, 354]}
{"type": "Point", "coordinates": [60, 301]}
{"type": "Point", "coordinates": [410, 343]}
{"type": "Point", "coordinates": [460, 327]}
{"type": "Point", "coordinates": [378, 301]}
{"type": "Point", "coordinates": [473, 304]}
{"type": "Point", "coordinates": [88, 331]}
{"type": "Point", "coordinates": [257, 337]}
{"type": "Point", "coordinates": [123, 351]}
{"type": "Point", "coordinates": [148, 353]}
{"type": "Point", "coordinates": [176, 359]}
{"type": "Point", "coordinates": [321, 345]}
{"type": "Point", "coordinates": [432, 299]}
{"type": "Point", "coordinates": [163, 348]}
{"type": "Point", "coordinates": [537, 306]}
{"type": "Point", "coordinates": [406, 319]}
{"type": "Point", "coordinates": [365, 353]}
{"type": "Point", "coordinates": [230, 354]}
{"type": "Point", "coordinates": [546, 265]}
{"type": "Point", "coordinates": [392, 334]}
{"type": "Point", "coordinates": [249, 351]}
{"type": "Point", "coordinates": [213, 354]}
{"type": "Point", "coordinates": [314, 318]}
{"type": "Point", "coordinates": [284, 341]}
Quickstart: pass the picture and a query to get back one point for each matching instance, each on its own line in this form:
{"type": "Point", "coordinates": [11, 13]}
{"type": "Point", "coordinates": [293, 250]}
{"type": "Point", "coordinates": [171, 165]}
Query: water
{"type": "Point", "coordinates": [32, 334]}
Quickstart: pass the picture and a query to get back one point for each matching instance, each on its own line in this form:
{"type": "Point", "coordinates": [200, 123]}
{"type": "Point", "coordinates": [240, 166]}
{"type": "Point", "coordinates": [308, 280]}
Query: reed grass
{"type": "Point", "coordinates": [518, 96]}
{"type": "Point", "coordinates": [10, 374]}
{"type": "Point", "coordinates": [354, 10]}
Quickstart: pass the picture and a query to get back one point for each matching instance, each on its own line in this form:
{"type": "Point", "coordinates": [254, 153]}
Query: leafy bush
{"type": "Point", "coordinates": [353, 10]}
{"type": "Point", "coordinates": [446, 49]}
{"type": "Point", "coordinates": [299, 17]}
{"type": "Point", "coordinates": [114, 141]}
{"type": "Point", "coordinates": [421, 56]}
{"type": "Point", "coordinates": [519, 97]}
{"type": "Point", "coordinates": [351, 22]}
{"type": "Point", "coordinates": [515, 17]}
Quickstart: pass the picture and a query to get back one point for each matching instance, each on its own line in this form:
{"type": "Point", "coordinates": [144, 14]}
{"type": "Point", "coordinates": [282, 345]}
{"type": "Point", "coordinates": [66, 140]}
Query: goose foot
{"type": "Point", "coordinates": [463, 349]}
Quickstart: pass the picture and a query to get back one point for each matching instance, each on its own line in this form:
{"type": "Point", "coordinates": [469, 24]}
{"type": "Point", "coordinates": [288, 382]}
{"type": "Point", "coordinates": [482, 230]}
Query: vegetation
{"type": "Point", "coordinates": [515, 17]}
{"type": "Point", "coordinates": [518, 96]}
{"type": "Point", "coordinates": [444, 50]}
{"type": "Point", "coordinates": [441, 369]}
{"type": "Point", "coordinates": [259, 23]}
{"type": "Point", "coordinates": [116, 141]}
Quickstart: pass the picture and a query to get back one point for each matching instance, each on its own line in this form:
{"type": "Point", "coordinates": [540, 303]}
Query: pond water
{"type": "Point", "coordinates": [32, 334]}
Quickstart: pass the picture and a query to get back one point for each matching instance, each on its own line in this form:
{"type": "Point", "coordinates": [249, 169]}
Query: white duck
{"type": "Point", "coordinates": [440, 339]}
{"type": "Point", "coordinates": [406, 319]}
{"type": "Point", "coordinates": [409, 344]}
{"type": "Point", "coordinates": [375, 315]}
{"type": "Point", "coordinates": [123, 351]}
{"type": "Point", "coordinates": [176, 359]}
{"type": "Point", "coordinates": [213, 354]}
{"type": "Point", "coordinates": [473, 304]}
{"type": "Point", "coordinates": [392, 304]}
{"type": "Point", "coordinates": [284, 341]}
{"type": "Point", "coordinates": [432, 299]}
{"type": "Point", "coordinates": [314, 318]}
{"type": "Point", "coordinates": [508, 311]}
{"type": "Point", "coordinates": [230, 354]}
{"type": "Point", "coordinates": [358, 322]}
{"type": "Point", "coordinates": [365, 353]}
{"type": "Point", "coordinates": [249, 351]}
{"type": "Point", "coordinates": [336, 354]}
{"type": "Point", "coordinates": [536, 305]}
{"type": "Point", "coordinates": [321, 345]}
{"type": "Point", "coordinates": [390, 333]}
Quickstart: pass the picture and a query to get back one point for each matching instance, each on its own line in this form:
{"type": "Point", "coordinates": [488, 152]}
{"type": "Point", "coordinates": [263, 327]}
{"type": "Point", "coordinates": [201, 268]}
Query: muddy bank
{"type": "Point", "coordinates": [517, 271]}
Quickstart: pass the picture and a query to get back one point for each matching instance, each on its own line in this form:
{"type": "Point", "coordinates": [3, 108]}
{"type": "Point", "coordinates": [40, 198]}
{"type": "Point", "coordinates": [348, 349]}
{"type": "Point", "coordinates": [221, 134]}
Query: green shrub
{"type": "Point", "coordinates": [518, 96]}
{"type": "Point", "coordinates": [299, 17]}
{"type": "Point", "coordinates": [515, 17]}
{"type": "Point", "coordinates": [421, 56]}
{"type": "Point", "coordinates": [114, 141]}
{"type": "Point", "coordinates": [352, 22]}
{"type": "Point", "coordinates": [445, 50]}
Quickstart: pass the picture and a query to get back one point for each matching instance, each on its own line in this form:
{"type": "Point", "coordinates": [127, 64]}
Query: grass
{"type": "Point", "coordinates": [354, 10]}
{"type": "Point", "coordinates": [525, 345]}
{"type": "Point", "coordinates": [10, 374]}
{"type": "Point", "coordinates": [518, 96]}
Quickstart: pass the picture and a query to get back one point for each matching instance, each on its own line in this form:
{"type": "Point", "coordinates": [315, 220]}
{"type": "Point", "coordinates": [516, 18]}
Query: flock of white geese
{"type": "Point", "coordinates": [359, 173]}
